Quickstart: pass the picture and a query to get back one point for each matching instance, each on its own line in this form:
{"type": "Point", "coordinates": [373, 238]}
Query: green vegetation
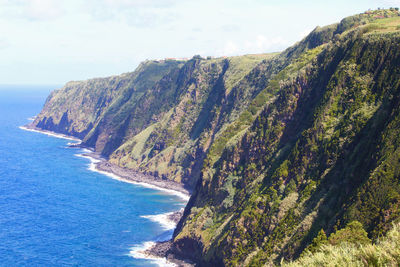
{"type": "Point", "coordinates": [85, 104]}
{"type": "Point", "coordinates": [352, 233]}
{"type": "Point", "coordinates": [321, 152]}
{"type": "Point", "coordinates": [281, 149]}
{"type": "Point", "coordinates": [241, 66]}
{"type": "Point", "coordinates": [386, 252]}
{"type": "Point", "coordinates": [317, 243]}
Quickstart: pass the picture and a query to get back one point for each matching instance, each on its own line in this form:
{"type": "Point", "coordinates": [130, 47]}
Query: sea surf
{"type": "Point", "coordinates": [58, 210]}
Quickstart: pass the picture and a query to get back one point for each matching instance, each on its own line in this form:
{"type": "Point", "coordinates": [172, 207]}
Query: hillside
{"type": "Point", "coordinates": [275, 147]}
{"type": "Point", "coordinates": [162, 118]}
{"type": "Point", "coordinates": [385, 252]}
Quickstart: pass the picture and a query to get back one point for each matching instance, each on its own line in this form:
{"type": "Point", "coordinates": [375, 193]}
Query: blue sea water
{"type": "Point", "coordinates": [54, 211]}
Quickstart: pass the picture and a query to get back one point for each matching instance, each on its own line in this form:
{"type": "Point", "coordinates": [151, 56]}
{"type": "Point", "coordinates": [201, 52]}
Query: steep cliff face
{"type": "Point", "coordinates": [324, 151]}
{"type": "Point", "coordinates": [275, 146]}
{"type": "Point", "coordinates": [176, 144]}
{"type": "Point", "coordinates": [78, 107]}
{"type": "Point", "coordinates": [162, 118]}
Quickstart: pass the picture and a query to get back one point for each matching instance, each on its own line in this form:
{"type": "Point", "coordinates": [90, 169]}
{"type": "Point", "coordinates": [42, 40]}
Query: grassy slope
{"type": "Point", "coordinates": [163, 148]}
{"type": "Point", "coordinates": [294, 170]}
{"type": "Point", "coordinates": [292, 142]}
{"type": "Point", "coordinates": [85, 103]}
{"type": "Point", "coordinates": [385, 252]}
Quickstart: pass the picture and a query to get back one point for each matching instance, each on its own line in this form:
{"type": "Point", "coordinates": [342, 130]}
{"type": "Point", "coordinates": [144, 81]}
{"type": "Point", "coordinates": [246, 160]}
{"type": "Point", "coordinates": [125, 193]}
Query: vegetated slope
{"type": "Point", "coordinates": [78, 107]}
{"type": "Point", "coordinates": [163, 118]}
{"type": "Point", "coordinates": [386, 251]}
{"type": "Point", "coordinates": [175, 144]}
{"type": "Point", "coordinates": [276, 147]}
{"type": "Point", "coordinates": [323, 152]}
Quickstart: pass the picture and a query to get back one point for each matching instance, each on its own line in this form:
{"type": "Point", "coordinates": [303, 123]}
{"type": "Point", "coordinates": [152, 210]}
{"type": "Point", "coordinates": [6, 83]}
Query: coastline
{"type": "Point", "coordinates": [131, 176]}
{"type": "Point", "coordinates": [159, 253]}
{"type": "Point", "coordinates": [155, 251]}
{"type": "Point", "coordinates": [49, 133]}
{"type": "Point", "coordinates": [101, 165]}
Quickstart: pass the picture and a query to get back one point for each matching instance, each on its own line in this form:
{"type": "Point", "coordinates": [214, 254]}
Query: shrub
{"type": "Point", "coordinates": [208, 223]}
{"type": "Point", "coordinates": [352, 233]}
{"type": "Point", "coordinates": [317, 242]}
{"type": "Point", "coordinates": [385, 253]}
{"type": "Point", "coordinates": [229, 188]}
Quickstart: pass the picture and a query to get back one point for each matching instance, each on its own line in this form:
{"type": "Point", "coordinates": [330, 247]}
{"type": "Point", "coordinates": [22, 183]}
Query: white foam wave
{"type": "Point", "coordinates": [92, 167]}
{"type": "Point", "coordinates": [62, 136]}
{"type": "Point", "coordinates": [162, 219]}
{"type": "Point", "coordinates": [138, 252]}
{"type": "Point", "coordinates": [92, 164]}
{"type": "Point", "coordinates": [73, 144]}
{"type": "Point", "coordinates": [168, 191]}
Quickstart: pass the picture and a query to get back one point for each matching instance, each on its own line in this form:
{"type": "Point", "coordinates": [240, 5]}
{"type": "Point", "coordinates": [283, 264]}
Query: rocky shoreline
{"type": "Point", "coordinates": [138, 177]}
{"type": "Point", "coordinates": [162, 250]}
{"type": "Point", "coordinates": [159, 249]}
{"type": "Point", "coordinates": [126, 174]}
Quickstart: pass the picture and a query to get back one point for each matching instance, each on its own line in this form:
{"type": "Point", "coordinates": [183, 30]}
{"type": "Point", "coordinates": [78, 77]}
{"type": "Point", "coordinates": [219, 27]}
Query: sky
{"type": "Point", "coordinates": [55, 41]}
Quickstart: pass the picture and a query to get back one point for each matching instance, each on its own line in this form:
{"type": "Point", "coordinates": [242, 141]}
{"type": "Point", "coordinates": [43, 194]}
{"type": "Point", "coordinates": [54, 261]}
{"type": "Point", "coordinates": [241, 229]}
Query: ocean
{"type": "Point", "coordinates": [56, 211]}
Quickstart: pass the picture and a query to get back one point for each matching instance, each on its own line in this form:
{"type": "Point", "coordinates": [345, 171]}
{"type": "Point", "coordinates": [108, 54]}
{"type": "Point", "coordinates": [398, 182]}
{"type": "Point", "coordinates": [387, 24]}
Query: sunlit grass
{"type": "Point", "coordinates": [386, 252]}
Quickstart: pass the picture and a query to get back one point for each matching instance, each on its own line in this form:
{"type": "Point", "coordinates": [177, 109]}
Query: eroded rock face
{"type": "Point", "coordinates": [162, 118]}
{"type": "Point", "coordinates": [318, 155]}
{"type": "Point", "coordinates": [275, 147]}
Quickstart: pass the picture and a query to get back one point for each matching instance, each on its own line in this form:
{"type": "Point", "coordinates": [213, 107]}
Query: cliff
{"type": "Point", "coordinates": [162, 118]}
{"type": "Point", "coordinates": [275, 147]}
{"type": "Point", "coordinates": [324, 151]}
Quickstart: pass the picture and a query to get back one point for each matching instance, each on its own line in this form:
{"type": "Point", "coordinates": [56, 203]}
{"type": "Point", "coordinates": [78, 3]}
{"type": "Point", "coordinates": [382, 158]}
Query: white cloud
{"type": "Point", "coordinates": [136, 3]}
{"type": "Point", "coordinates": [263, 44]}
{"type": "Point", "coordinates": [106, 37]}
{"type": "Point", "coordinates": [229, 49]}
{"type": "Point", "coordinates": [393, 3]}
{"type": "Point", "coordinates": [43, 9]}
{"type": "Point", "coordinates": [32, 9]}
{"type": "Point", "coordinates": [4, 44]}
{"type": "Point", "coordinates": [304, 33]}
{"type": "Point", "coordinates": [260, 44]}
{"type": "Point", "coordinates": [139, 13]}
{"type": "Point", "coordinates": [230, 28]}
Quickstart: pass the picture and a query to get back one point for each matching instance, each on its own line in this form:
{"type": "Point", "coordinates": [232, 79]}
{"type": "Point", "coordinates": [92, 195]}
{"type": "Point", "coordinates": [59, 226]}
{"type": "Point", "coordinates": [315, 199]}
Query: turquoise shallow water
{"type": "Point", "coordinates": [54, 211]}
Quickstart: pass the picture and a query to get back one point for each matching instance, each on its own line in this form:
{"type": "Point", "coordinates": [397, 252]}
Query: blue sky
{"type": "Point", "coordinates": [55, 41]}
